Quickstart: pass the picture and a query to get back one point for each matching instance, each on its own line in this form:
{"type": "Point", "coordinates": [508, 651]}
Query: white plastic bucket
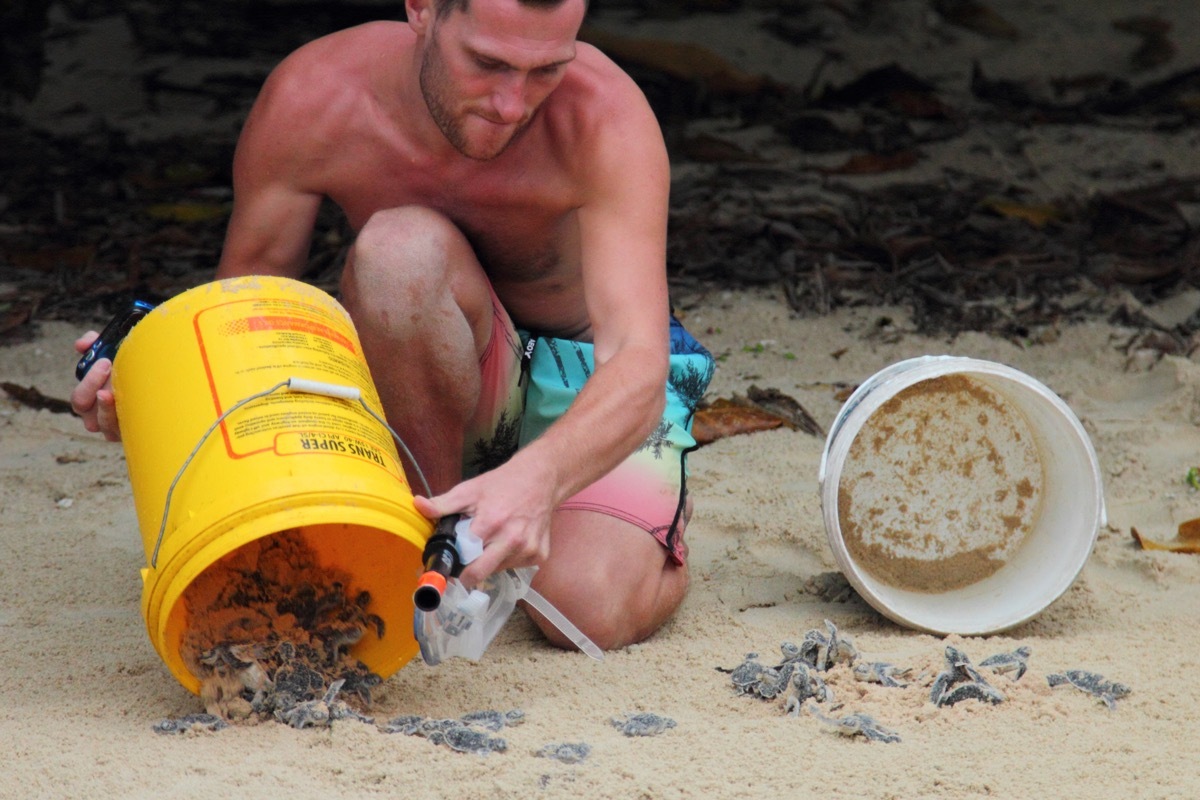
{"type": "Point", "coordinates": [959, 495]}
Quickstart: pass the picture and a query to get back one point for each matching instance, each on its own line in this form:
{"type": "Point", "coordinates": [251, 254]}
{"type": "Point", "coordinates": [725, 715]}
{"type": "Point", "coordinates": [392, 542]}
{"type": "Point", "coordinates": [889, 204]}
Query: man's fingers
{"type": "Point", "coordinates": [93, 401]}
{"type": "Point", "coordinates": [499, 555]}
{"type": "Point", "coordinates": [106, 415]}
{"type": "Point", "coordinates": [481, 567]}
{"type": "Point", "coordinates": [426, 507]}
{"type": "Point", "coordinates": [85, 341]}
{"type": "Point", "coordinates": [83, 397]}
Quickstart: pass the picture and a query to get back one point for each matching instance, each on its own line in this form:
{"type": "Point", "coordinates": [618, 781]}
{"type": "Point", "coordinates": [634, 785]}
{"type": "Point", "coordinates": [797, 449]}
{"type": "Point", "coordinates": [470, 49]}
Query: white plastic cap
{"type": "Point", "coordinates": [470, 546]}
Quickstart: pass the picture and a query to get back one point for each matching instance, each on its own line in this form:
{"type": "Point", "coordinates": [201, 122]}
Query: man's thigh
{"type": "Point", "coordinates": [492, 433]}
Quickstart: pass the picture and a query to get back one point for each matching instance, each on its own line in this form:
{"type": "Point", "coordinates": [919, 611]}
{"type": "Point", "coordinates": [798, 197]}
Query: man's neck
{"type": "Point", "coordinates": [396, 92]}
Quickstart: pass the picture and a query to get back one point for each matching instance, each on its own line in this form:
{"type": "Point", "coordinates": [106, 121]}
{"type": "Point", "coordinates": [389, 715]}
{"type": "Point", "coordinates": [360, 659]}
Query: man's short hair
{"type": "Point", "coordinates": [442, 8]}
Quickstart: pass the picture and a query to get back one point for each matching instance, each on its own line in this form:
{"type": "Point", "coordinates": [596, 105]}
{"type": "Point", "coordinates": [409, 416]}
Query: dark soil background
{"type": "Point", "coordinates": [92, 217]}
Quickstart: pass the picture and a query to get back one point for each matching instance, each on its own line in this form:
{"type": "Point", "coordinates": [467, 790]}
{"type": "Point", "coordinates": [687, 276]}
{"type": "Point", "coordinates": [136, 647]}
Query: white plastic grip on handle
{"type": "Point", "coordinates": [327, 389]}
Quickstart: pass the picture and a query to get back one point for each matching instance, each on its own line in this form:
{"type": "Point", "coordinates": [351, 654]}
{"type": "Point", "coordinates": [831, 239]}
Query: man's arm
{"type": "Point", "coordinates": [622, 229]}
{"type": "Point", "coordinates": [274, 210]}
{"type": "Point", "coordinates": [270, 228]}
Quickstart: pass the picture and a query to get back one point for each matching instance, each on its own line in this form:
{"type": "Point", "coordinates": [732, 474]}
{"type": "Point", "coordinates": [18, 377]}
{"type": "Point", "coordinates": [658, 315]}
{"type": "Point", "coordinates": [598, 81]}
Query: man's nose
{"type": "Point", "coordinates": [509, 99]}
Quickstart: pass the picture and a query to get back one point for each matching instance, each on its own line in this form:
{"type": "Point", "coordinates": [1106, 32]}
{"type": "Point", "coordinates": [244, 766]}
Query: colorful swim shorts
{"type": "Point", "coordinates": [649, 488]}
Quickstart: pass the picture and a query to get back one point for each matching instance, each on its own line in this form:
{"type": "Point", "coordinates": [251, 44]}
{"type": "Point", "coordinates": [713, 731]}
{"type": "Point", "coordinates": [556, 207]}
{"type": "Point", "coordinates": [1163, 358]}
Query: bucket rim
{"type": "Point", "coordinates": [865, 401]}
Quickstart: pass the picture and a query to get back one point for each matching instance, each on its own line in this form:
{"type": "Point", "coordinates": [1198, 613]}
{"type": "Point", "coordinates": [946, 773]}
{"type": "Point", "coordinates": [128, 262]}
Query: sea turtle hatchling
{"type": "Point", "coordinates": [856, 725]}
{"type": "Point", "coordinates": [493, 720]}
{"type": "Point", "coordinates": [430, 728]}
{"type": "Point", "coordinates": [805, 685]}
{"type": "Point", "coordinates": [823, 650]}
{"type": "Point", "coordinates": [642, 724]}
{"type": "Point", "coordinates": [315, 713]}
{"type": "Point", "coordinates": [1109, 692]}
{"type": "Point", "coordinates": [752, 677]}
{"type": "Point", "coordinates": [406, 724]}
{"type": "Point", "coordinates": [202, 722]}
{"type": "Point", "coordinates": [464, 739]}
{"type": "Point", "coordinates": [746, 674]}
{"type": "Point", "coordinates": [1013, 661]}
{"type": "Point", "coordinates": [566, 752]}
{"type": "Point", "coordinates": [961, 681]}
{"type": "Point", "coordinates": [771, 681]}
{"type": "Point", "coordinates": [881, 673]}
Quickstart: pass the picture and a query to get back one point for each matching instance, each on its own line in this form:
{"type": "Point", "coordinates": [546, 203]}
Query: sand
{"type": "Point", "coordinates": [81, 685]}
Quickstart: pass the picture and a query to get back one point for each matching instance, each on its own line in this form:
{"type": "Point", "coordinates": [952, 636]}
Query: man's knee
{"type": "Point", "coordinates": [398, 258]}
{"type": "Point", "coordinates": [612, 615]}
{"type": "Point", "coordinates": [403, 229]}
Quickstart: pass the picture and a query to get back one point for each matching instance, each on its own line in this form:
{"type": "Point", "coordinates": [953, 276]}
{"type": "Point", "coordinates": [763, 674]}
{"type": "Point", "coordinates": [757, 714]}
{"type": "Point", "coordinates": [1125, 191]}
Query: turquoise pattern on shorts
{"type": "Point", "coordinates": [558, 369]}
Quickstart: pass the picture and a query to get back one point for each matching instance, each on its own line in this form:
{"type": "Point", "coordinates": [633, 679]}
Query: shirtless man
{"type": "Point", "coordinates": [502, 178]}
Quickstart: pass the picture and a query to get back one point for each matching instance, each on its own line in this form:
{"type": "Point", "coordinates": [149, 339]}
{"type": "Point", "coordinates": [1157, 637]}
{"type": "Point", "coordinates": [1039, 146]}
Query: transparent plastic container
{"type": "Point", "coordinates": [466, 622]}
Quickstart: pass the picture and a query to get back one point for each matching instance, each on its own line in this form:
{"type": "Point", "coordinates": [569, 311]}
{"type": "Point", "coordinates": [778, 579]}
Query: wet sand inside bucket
{"type": "Point", "coordinates": [941, 486]}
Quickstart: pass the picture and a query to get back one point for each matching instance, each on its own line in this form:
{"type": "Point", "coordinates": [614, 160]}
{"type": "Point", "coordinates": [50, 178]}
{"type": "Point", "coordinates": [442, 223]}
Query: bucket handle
{"type": "Point", "coordinates": [334, 390]}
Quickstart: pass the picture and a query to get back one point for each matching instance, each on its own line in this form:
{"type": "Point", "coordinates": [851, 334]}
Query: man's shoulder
{"type": "Point", "coordinates": [330, 71]}
{"type": "Point", "coordinates": [349, 45]}
{"type": "Point", "coordinates": [597, 94]}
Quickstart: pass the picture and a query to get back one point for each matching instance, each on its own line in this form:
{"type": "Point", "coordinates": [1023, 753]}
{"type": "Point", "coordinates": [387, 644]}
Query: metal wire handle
{"type": "Point", "coordinates": [334, 390]}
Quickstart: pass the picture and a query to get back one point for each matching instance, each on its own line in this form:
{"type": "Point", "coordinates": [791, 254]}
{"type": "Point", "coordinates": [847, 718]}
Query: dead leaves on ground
{"type": "Point", "coordinates": [30, 396]}
{"type": "Point", "coordinates": [757, 410]}
{"type": "Point", "coordinates": [684, 61]}
{"type": "Point", "coordinates": [1187, 539]}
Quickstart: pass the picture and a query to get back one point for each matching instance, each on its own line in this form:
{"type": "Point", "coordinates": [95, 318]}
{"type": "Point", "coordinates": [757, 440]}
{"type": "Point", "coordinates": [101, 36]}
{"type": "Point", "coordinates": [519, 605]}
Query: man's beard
{"type": "Point", "coordinates": [434, 88]}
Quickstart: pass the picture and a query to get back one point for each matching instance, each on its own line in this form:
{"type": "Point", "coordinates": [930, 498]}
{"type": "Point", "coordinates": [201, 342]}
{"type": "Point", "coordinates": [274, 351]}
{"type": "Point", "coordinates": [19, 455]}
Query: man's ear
{"type": "Point", "coordinates": [420, 15]}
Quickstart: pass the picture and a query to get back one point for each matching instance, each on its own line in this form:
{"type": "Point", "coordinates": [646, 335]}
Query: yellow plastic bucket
{"type": "Point", "coordinates": [279, 459]}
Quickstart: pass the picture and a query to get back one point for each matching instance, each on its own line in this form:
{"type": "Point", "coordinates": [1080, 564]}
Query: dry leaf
{"type": "Point", "coordinates": [723, 418]}
{"type": "Point", "coordinates": [794, 415]}
{"type": "Point", "coordinates": [1187, 539]}
{"type": "Point", "coordinates": [1037, 215]}
{"type": "Point", "coordinates": [30, 396]}
{"type": "Point", "coordinates": [682, 60]}
{"type": "Point", "coordinates": [976, 17]}
{"type": "Point", "coordinates": [187, 211]}
{"type": "Point", "coordinates": [761, 410]}
{"type": "Point", "coordinates": [874, 163]}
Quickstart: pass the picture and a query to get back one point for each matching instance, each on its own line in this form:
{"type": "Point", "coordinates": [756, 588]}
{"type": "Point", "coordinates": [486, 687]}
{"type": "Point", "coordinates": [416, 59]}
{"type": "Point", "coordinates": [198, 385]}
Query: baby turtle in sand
{"type": "Point", "coordinates": [961, 681]}
{"type": "Point", "coordinates": [1003, 663]}
{"type": "Point", "coordinates": [203, 722]}
{"type": "Point", "coordinates": [822, 651]}
{"type": "Point", "coordinates": [881, 673]}
{"type": "Point", "coordinates": [315, 713]}
{"type": "Point", "coordinates": [642, 724]}
{"type": "Point", "coordinates": [566, 752]}
{"type": "Point", "coordinates": [753, 678]}
{"type": "Point", "coordinates": [1109, 692]}
{"type": "Point", "coordinates": [232, 673]}
{"type": "Point", "coordinates": [771, 682]}
{"type": "Point", "coordinates": [856, 725]}
{"type": "Point", "coordinates": [791, 653]}
{"type": "Point", "coordinates": [463, 739]}
{"type": "Point", "coordinates": [746, 674]}
{"type": "Point", "coordinates": [493, 720]}
{"type": "Point", "coordinates": [407, 724]}
{"type": "Point", "coordinates": [832, 587]}
{"type": "Point", "coordinates": [429, 728]}
{"type": "Point", "coordinates": [359, 683]}
{"type": "Point", "coordinates": [414, 725]}
{"type": "Point", "coordinates": [971, 690]}
{"type": "Point", "coordinates": [805, 686]}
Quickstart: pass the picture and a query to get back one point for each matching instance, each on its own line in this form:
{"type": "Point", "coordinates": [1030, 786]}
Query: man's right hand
{"type": "Point", "coordinates": [93, 398]}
